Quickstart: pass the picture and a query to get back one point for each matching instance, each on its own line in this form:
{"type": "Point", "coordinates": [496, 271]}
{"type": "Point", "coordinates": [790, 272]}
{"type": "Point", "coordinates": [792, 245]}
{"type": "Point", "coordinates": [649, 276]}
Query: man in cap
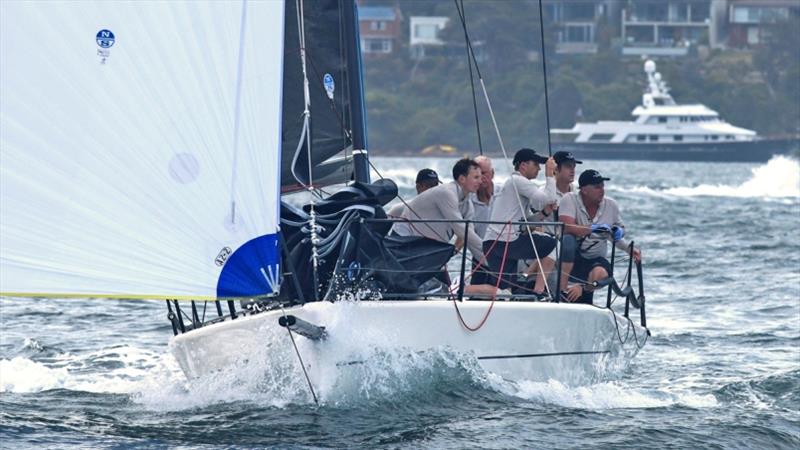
{"type": "Point", "coordinates": [512, 204]}
{"type": "Point", "coordinates": [564, 176]}
{"type": "Point", "coordinates": [426, 179]}
{"type": "Point", "coordinates": [565, 171]}
{"type": "Point", "coordinates": [449, 201]}
{"type": "Point", "coordinates": [593, 219]}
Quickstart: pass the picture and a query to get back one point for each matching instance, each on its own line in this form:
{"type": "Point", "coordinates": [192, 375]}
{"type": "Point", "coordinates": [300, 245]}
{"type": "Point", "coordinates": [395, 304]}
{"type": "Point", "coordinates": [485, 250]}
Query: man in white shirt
{"type": "Point", "coordinates": [520, 195]}
{"type": "Point", "coordinates": [566, 164]}
{"type": "Point", "coordinates": [593, 219]}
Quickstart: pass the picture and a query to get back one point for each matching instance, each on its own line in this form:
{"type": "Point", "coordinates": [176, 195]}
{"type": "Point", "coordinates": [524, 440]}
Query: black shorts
{"type": "Point", "coordinates": [582, 268]}
{"type": "Point", "coordinates": [517, 249]}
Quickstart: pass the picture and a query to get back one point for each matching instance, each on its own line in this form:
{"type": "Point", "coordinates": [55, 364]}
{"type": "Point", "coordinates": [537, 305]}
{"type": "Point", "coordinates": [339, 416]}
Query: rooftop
{"type": "Point", "coordinates": [376, 13]}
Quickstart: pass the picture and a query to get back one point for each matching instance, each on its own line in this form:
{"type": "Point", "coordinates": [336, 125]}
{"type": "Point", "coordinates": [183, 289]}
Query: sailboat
{"type": "Point", "coordinates": [145, 151]}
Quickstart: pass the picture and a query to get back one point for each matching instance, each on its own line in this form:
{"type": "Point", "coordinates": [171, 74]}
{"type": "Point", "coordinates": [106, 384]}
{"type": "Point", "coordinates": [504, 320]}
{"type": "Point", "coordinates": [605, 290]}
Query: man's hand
{"type": "Point", "coordinates": [549, 208]}
{"type": "Point", "coordinates": [619, 232]}
{"type": "Point", "coordinates": [550, 167]}
{"type": "Point", "coordinates": [601, 228]}
{"type": "Point", "coordinates": [574, 293]}
{"type": "Point", "coordinates": [637, 255]}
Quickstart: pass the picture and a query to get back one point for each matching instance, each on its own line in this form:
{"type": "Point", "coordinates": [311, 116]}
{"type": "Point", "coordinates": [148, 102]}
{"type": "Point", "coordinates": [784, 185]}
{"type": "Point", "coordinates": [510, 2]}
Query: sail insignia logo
{"type": "Point", "coordinates": [105, 40]}
{"type": "Point", "coordinates": [329, 84]}
{"type": "Point", "coordinates": [223, 256]}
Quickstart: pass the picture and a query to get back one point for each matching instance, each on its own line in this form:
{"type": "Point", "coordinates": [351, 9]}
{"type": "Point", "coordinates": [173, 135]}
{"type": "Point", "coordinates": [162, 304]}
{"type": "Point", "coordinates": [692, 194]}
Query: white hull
{"type": "Point", "coordinates": [519, 341]}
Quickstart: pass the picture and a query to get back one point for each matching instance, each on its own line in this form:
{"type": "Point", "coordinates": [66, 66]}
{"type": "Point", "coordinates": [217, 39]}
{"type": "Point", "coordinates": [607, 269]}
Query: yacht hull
{"type": "Point", "coordinates": [518, 341]}
{"type": "Point", "coordinates": [754, 151]}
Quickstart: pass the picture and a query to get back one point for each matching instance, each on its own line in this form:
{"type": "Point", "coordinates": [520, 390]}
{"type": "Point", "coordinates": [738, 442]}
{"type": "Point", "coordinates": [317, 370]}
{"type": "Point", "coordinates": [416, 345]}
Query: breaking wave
{"type": "Point", "coordinates": [384, 377]}
{"type": "Point", "coordinates": [609, 395]}
{"type": "Point", "coordinates": [778, 178]}
{"type": "Point", "coordinates": [116, 370]}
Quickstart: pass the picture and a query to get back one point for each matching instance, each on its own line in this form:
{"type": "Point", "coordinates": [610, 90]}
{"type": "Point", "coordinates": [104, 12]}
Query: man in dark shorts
{"type": "Point", "coordinates": [593, 219]}
{"type": "Point", "coordinates": [520, 195]}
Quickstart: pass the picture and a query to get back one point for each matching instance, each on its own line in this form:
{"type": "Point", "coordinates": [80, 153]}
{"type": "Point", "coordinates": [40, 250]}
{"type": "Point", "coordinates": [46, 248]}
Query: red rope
{"type": "Point", "coordinates": [497, 286]}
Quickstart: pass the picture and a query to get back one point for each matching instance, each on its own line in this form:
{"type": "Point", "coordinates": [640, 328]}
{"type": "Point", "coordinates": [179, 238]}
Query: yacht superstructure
{"type": "Point", "coordinates": [664, 129]}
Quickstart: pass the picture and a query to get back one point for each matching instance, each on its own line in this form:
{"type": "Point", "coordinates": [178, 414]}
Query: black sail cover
{"type": "Point", "coordinates": [329, 51]}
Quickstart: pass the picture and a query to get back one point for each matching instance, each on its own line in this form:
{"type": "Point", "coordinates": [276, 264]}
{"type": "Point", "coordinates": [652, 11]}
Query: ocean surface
{"type": "Point", "coordinates": [721, 245]}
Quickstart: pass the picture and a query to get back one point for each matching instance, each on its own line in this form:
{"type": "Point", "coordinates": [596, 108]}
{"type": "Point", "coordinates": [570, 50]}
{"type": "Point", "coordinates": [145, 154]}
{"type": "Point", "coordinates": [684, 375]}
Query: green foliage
{"type": "Point", "coordinates": [414, 104]}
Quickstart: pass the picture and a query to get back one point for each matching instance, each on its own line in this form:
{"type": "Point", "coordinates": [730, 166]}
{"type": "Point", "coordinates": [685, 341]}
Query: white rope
{"type": "Point", "coordinates": [516, 191]}
{"type": "Point", "coordinates": [306, 132]}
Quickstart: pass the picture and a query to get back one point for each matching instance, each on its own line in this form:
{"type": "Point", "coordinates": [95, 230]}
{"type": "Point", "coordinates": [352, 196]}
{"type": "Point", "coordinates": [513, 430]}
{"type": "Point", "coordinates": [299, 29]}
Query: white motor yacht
{"type": "Point", "coordinates": [666, 130]}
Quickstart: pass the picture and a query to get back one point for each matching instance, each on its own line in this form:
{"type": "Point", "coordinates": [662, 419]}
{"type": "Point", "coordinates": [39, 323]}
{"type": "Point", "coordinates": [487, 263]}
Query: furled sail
{"type": "Point", "coordinates": [140, 148]}
{"type": "Point", "coordinates": [332, 59]}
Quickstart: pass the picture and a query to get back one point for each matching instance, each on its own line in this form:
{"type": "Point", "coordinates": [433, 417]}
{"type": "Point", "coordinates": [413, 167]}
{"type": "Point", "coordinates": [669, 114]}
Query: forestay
{"type": "Point", "coordinates": [140, 148]}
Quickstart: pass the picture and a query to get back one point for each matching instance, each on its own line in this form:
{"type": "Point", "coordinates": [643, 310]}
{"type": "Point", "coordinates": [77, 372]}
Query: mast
{"type": "Point", "coordinates": [356, 87]}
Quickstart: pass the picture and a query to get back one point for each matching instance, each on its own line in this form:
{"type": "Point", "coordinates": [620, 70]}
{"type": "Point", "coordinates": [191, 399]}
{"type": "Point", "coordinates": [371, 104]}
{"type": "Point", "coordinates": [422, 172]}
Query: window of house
{"type": "Point", "coordinates": [649, 11]}
{"type": "Point", "coordinates": [425, 31]}
{"type": "Point", "coordinates": [377, 25]}
{"type": "Point", "coordinates": [578, 11]}
{"type": "Point", "coordinates": [752, 35]}
{"type": "Point", "coordinates": [376, 46]}
{"type": "Point", "coordinates": [636, 34]}
{"type": "Point", "coordinates": [701, 11]}
{"type": "Point", "coordinates": [756, 14]}
{"type": "Point", "coordinates": [578, 33]}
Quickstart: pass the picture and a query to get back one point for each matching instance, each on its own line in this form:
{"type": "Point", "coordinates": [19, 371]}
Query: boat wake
{"type": "Point", "coordinates": [115, 370]}
{"type": "Point", "coordinates": [609, 395]}
{"type": "Point", "coordinates": [778, 179]}
{"type": "Point", "coordinates": [380, 376]}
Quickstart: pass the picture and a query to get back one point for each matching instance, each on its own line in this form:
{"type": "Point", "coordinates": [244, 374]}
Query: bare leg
{"type": "Point", "coordinates": [547, 266]}
{"type": "Point", "coordinates": [566, 269]}
{"type": "Point", "coordinates": [480, 289]}
{"type": "Point", "coordinates": [598, 273]}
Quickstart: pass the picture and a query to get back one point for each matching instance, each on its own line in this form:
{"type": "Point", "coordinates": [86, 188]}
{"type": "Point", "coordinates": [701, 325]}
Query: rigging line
{"type": "Point", "coordinates": [462, 15]}
{"type": "Point", "coordinates": [402, 200]}
{"type": "Point", "coordinates": [516, 190]}
{"type": "Point", "coordinates": [300, 358]}
{"type": "Point", "coordinates": [306, 87]}
{"type": "Point", "coordinates": [306, 128]}
{"type": "Point", "coordinates": [505, 155]}
{"type": "Point", "coordinates": [237, 111]}
{"type": "Point", "coordinates": [544, 73]}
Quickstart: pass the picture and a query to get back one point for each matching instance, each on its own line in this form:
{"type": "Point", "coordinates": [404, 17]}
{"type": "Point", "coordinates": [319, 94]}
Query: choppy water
{"type": "Point", "coordinates": [722, 370]}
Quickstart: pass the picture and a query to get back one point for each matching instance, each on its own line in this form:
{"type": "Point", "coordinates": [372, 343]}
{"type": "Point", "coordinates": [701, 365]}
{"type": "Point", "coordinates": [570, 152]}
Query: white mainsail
{"type": "Point", "coordinates": [145, 165]}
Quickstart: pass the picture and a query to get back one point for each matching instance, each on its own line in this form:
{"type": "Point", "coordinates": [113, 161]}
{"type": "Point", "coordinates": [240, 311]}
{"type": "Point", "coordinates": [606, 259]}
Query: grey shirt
{"type": "Point", "coordinates": [396, 210]}
{"type": "Point", "coordinates": [446, 201]}
{"type": "Point", "coordinates": [506, 205]}
{"type": "Point", "coordinates": [571, 205]}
